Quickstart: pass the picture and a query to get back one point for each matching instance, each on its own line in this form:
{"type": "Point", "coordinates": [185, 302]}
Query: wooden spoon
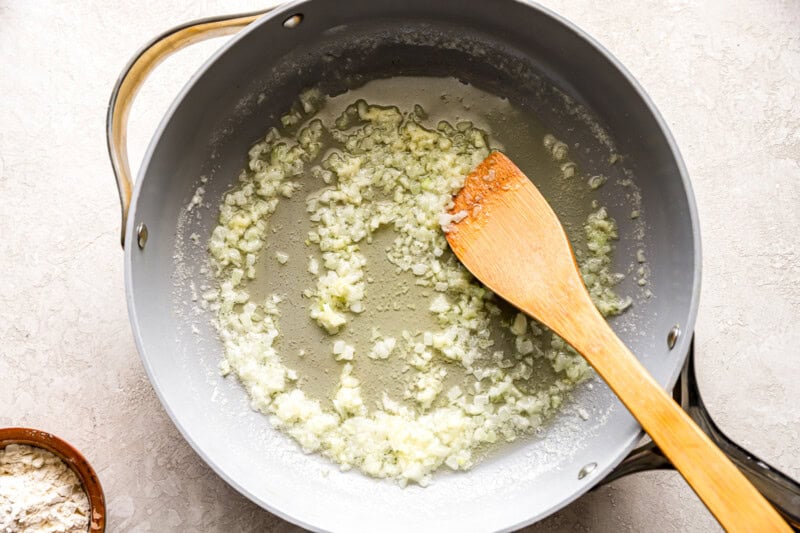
{"type": "Point", "coordinates": [513, 242]}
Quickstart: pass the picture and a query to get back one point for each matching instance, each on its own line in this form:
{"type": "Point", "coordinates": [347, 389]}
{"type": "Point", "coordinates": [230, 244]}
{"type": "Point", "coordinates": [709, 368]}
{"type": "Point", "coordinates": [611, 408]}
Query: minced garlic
{"type": "Point", "coordinates": [387, 170]}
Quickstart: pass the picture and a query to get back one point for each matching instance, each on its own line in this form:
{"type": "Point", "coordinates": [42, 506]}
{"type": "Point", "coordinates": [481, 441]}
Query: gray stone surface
{"type": "Point", "coordinates": [726, 76]}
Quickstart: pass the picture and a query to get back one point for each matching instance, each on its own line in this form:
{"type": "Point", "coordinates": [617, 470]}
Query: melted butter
{"type": "Point", "coordinates": [393, 302]}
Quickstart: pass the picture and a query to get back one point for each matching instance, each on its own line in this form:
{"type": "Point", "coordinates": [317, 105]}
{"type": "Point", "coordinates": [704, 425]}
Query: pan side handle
{"type": "Point", "coordinates": [782, 491]}
{"type": "Point", "coordinates": [133, 76]}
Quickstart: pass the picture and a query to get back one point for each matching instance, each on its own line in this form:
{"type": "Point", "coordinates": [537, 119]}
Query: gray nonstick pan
{"type": "Point", "coordinates": [510, 51]}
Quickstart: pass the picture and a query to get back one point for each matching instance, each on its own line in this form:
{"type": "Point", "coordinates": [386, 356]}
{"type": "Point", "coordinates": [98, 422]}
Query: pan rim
{"type": "Point", "coordinates": [681, 347]}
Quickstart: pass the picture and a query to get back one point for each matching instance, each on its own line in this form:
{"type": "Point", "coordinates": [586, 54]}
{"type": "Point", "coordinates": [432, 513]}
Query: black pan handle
{"type": "Point", "coordinates": [133, 76]}
{"type": "Point", "coordinates": [782, 491]}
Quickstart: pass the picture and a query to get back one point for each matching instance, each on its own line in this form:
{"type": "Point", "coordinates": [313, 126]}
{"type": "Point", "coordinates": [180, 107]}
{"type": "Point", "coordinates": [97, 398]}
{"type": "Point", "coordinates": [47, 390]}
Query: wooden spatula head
{"type": "Point", "coordinates": [515, 244]}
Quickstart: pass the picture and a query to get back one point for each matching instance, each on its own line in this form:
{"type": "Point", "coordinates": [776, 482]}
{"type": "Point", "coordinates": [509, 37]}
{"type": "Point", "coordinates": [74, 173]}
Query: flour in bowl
{"type": "Point", "coordinates": [39, 493]}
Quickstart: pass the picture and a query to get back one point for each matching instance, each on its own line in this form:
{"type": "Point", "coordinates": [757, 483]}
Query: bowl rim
{"type": "Point", "coordinates": [72, 458]}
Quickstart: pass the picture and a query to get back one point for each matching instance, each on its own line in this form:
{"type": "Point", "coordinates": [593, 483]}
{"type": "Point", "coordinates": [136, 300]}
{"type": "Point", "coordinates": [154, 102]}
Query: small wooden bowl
{"type": "Point", "coordinates": [73, 459]}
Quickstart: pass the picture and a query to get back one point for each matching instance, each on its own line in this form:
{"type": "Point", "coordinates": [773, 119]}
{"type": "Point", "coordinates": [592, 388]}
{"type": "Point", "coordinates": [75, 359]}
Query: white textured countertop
{"type": "Point", "coordinates": [725, 75]}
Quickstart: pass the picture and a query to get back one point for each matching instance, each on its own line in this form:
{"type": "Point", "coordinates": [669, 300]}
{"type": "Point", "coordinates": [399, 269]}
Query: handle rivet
{"type": "Point", "coordinates": [586, 470]}
{"type": "Point", "coordinates": [293, 21]}
{"type": "Point", "coordinates": [141, 235]}
{"type": "Point", "coordinates": [672, 336]}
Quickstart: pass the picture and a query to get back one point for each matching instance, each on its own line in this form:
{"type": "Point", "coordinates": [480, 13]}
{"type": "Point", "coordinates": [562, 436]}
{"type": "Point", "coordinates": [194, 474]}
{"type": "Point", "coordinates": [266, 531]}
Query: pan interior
{"type": "Point", "coordinates": [396, 303]}
{"type": "Point", "coordinates": [244, 90]}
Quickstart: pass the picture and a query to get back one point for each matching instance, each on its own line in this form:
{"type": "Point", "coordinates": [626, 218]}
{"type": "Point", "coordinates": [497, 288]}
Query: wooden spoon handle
{"type": "Point", "coordinates": [723, 488]}
{"type": "Point", "coordinates": [545, 282]}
